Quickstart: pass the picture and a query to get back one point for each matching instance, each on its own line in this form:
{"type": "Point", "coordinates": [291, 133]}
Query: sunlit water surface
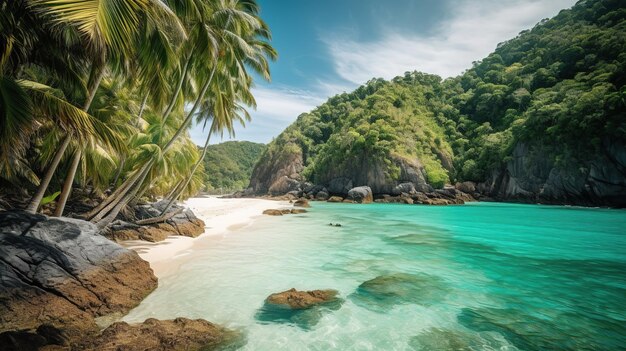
{"type": "Point", "coordinates": [483, 276]}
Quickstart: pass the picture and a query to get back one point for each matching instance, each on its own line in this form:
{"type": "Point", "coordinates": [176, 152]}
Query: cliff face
{"type": "Point", "coordinates": [532, 177]}
{"type": "Point", "coordinates": [278, 173]}
{"type": "Point", "coordinates": [542, 119]}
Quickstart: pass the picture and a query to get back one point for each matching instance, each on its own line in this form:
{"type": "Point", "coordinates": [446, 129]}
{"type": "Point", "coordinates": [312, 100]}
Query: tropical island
{"type": "Point", "coordinates": [111, 236]}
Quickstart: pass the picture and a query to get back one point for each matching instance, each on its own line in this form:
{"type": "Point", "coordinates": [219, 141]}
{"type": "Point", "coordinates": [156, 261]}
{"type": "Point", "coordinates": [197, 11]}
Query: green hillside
{"type": "Point", "coordinates": [551, 99]}
{"type": "Point", "coordinates": [227, 166]}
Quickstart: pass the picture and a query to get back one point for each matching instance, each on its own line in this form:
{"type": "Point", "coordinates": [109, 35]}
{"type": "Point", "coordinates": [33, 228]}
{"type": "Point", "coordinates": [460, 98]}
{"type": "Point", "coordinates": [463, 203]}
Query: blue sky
{"type": "Point", "coordinates": [327, 47]}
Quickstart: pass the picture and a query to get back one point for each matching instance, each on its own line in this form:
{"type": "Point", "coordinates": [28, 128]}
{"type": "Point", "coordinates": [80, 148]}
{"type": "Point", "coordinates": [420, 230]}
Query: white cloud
{"type": "Point", "coordinates": [473, 30]}
{"type": "Point", "coordinates": [277, 107]}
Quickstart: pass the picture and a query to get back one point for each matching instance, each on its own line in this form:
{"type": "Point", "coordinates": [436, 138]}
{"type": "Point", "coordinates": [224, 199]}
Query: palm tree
{"type": "Point", "coordinates": [237, 34]}
{"type": "Point", "coordinates": [110, 29]}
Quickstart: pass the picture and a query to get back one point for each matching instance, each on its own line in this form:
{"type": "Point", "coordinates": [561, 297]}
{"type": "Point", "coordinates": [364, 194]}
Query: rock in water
{"type": "Point", "coordinates": [361, 194]}
{"type": "Point", "coordinates": [385, 291]}
{"type": "Point", "coordinates": [302, 308]}
{"type": "Point", "coordinates": [60, 272]}
{"type": "Point", "coordinates": [273, 212]}
{"type": "Point", "coordinates": [295, 299]}
{"type": "Point", "coordinates": [156, 335]}
{"type": "Point", "coordinates": [335, 199]}
{"type": "Point", "coordinates": [302, 203]}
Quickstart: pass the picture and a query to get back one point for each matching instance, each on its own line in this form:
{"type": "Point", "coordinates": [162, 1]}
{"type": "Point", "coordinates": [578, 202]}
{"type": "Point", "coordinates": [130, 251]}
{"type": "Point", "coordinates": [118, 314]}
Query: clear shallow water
{"type": "Point", "coordinates": [483, 276]}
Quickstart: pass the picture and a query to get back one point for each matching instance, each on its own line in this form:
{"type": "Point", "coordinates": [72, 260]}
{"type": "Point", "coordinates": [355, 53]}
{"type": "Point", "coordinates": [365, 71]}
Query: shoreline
{"type": "Point", "coordinates": [220, 217]}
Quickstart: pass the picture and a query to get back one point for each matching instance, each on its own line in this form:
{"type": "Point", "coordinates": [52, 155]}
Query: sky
{"type": "Point", "coordinates": [327, 47]}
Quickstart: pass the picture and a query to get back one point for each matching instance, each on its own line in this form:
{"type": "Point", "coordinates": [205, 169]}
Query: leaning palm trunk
{"type": "Point", "coordinates": [69, 179]}
{"type": "Point", "coordinates": [179, 190]}
{"type": "Point", "coordinates": [117, 208]}
{"type": "Point", "coordinates": [67, 185]}
{"type": "Point", "coordinates": [182, 79]}
{"type": "Point", "coordinates": [45, 181]}
{"type": "Point", "coordinates": [110, 202]}
{"type": "Point", "coordinates": [111, 211]}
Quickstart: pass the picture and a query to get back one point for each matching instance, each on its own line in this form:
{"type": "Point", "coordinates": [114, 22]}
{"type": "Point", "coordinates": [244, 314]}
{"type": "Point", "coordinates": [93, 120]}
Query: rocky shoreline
{"type": "Point", "coordinates": [404, 193]}
{"type": "Point", "coordinates": [57, 275]}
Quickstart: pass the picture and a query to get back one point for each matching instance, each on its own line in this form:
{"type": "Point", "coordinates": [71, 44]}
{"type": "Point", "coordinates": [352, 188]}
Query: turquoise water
{"type": "Point", "coordinates": [483, 276]}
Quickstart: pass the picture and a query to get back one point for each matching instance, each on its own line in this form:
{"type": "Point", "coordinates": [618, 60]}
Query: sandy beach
{"type": "Point", "coordinates": [219, 215]}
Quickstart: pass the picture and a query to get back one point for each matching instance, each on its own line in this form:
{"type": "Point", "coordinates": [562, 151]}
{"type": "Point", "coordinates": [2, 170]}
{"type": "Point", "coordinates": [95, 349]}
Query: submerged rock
{"type": "Point", "coordinates": [298, 210]}
{"type": "Point", "coordinates": [163, 335]}
{"type": "Point", "coordinates": [385, 291]}
{"type": "Point", "coordinates": [451, 340]}
{"type": "Point", "coordinates": [302, 308]}
{"type": "Point", "coordinates": [61, 273]}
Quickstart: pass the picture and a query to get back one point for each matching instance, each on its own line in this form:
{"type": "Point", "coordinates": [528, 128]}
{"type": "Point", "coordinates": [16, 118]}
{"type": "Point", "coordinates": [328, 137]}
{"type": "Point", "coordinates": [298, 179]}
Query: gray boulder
{"type": "Point", "coordinates": [322, 196]}
{"type": "Point", "coordinates": [406, 188]}
{"type": "Point", "coordinates": [61, 272]}
{"type": "Point", "coordinates": [361, 194]}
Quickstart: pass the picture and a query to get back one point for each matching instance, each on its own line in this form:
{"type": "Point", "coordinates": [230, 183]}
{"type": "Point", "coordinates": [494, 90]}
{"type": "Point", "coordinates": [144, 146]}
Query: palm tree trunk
{"type": "Point", "coordinates": [69, 179]}
{"type": "Point", "coordinates": [107, 205]}
{"type": "Point", "coordinates": [180, 190]}
{"type": "Point", "coordinates": [124, 199]}
{"type": "Point", "coordinates": [45, 181]}
{"type": "Point", "coordinates": [183, 76]}
{"type": "Point", "coordinates": [193, 110]}
{"type": "Point", "coordinates": [67, 185]}
{"type": "Point", "coordinates": [142, 108]}
{"type": "Point", "coordinates": [115, 210]}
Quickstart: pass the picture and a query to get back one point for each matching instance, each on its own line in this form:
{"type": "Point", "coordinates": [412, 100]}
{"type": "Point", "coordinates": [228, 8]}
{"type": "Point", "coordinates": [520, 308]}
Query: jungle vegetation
{"type": "Point", "coordinates": [100, 94]}
{"type": "Point", "coordinates": [560, 84]}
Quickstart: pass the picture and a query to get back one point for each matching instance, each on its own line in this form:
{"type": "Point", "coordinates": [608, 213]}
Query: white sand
{"type": "Point", "coordinates": [220, 217]}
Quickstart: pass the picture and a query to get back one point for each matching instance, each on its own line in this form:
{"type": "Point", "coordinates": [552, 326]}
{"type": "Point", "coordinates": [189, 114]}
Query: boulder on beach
{"type": "Point", "coordinates": [61, 273]}
{"type": "Point", "coordinates": [301, 308]}
{"type": "Point", "coordinates": [361, 194]}
{"type": "Point", "coordinates": [273, 212]}
{"type": "Point", "coordinates": [298, 210]}
{"type": "Point", "coordinates": [335, 199]}
{"type": "Point", "coordinates": [182, 222]}
{"type": "Point", "coordinates": [164, 335]}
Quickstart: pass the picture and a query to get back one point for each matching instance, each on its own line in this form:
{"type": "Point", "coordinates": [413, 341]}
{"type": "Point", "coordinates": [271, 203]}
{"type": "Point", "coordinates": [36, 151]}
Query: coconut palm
{"type": "Point", "coordinates": [110, 29]}
{"type": "Point", "coordinates": [236, 38]}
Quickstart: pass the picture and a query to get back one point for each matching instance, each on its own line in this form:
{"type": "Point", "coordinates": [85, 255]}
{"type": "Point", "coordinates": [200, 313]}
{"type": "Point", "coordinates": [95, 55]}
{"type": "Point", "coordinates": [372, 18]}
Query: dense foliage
{"type": "Point", "coordinates": [100, 94]}
{"type": "Point", "coordinates": [228, 165]}
{"type": "Point", "coordinates": [559, 85]}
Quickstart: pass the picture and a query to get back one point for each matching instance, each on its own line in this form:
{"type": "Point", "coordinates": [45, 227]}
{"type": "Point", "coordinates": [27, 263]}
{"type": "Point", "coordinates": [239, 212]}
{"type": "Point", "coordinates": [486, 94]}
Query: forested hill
{"type": "Point", "coordinates": [542, 118]}
{"type": "Point", "coordinates": [228, 165]}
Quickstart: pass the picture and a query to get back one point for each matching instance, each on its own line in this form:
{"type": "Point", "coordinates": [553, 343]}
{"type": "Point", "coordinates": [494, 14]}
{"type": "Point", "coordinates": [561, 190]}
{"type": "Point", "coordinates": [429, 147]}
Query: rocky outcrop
{"type": "Point", "coordinates": [183, 222]}
{"type": "Point", "coordinates": [162, 335]}
{"type": "Point", "coordinates": [278, 173]}
{"type": "Point", "coordinates": [361, 194]}
{"type": "Point", "coordinates": [295, 299]}
{"type": "Point", "coordinates": [533, 176]}
{"type": "Point", "coordinates": [61, 273]}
